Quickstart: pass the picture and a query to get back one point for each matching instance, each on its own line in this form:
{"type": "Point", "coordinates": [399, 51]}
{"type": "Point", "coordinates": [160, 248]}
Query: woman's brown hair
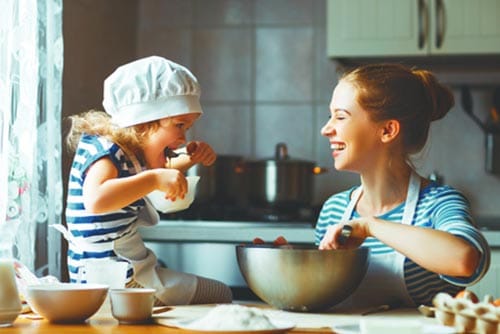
{"type": "Point", "coordinates": [413, 97]}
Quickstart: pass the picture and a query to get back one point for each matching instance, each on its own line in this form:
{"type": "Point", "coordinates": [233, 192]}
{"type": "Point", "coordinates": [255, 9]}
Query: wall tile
{"type": "Point", "coordinates": [277, 12]}
{"type": "Point", "coordinates": [222, 12]}
{"type": "Point", "coordinates": [456, 151]}
{"type": "Point", "coordinates": [161, 14]}
{"type": "Point", "coordinates": [171, 44]}
{"type": "Point", "coordinates": [284, 64]}
{"type": "Point", "coordinates": [326, 69]}
{"type": "Point", "coordinates": [291, 124]}
{"type": "Point", "coordinates": [222, 62]}
{"type": "Point", "coordinates": [226, 127]}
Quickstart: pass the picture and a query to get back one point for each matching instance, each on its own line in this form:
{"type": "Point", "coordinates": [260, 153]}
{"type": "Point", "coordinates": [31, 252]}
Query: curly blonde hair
{"type": "Point", "coordinates": [96, 122]}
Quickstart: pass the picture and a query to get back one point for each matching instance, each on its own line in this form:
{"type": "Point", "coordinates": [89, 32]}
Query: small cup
{"type": "Point", "coordinates": [134, 305]}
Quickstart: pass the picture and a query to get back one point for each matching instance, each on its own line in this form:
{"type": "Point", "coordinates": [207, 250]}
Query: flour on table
{"type": "Point", "coordinates": [233, 317]}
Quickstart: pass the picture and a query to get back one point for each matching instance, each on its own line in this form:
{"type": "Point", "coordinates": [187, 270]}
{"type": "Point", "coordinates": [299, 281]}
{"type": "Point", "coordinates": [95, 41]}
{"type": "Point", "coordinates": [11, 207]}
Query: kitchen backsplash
{"type": "Point", "coordinates": [266, 79]}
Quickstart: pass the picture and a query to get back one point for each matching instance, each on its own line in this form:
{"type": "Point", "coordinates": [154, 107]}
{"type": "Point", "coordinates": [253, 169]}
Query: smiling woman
{"type": "Point", "coordinates": [380, 117]}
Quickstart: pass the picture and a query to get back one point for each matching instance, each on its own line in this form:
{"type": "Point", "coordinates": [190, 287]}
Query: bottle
{"type": "Point", "coordinates": [10, 303]}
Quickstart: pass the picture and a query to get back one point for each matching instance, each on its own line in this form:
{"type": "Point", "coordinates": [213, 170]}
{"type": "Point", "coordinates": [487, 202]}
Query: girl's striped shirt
{"type": "Point", "coordinates": [96, 231]}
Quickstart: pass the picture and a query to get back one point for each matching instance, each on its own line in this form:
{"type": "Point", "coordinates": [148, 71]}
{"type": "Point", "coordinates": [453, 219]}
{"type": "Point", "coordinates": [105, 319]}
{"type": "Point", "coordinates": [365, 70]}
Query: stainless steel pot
{"type": "Point", "coordinates": [221, 182]}
{"type": "Point", "coordinates": [280, 182]}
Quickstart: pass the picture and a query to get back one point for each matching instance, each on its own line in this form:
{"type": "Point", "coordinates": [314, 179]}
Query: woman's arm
{"type": "Point", "coordinates": [437, 251]}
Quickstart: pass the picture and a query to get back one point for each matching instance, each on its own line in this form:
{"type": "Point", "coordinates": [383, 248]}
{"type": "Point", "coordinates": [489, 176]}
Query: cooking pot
{"type": "Point", "coordinates": [281, 182]}
{"type": "Point", "coordinates": [220, 183]}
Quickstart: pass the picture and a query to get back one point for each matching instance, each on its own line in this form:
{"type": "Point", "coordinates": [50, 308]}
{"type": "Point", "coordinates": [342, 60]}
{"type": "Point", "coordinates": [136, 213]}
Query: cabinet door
{"type": "Point", "coordinates": [376, 28]}
{"type": "Point", "coordinates": [464, 26]}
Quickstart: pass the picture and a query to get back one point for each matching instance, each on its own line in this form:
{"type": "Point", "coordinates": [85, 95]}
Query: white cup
{"type": "Point", "coordinates": [132, 305]}
{"type": "Point", "coordinates": [106, 271]}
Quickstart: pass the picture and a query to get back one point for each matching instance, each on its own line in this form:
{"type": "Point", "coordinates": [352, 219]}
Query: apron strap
{"type": "Point", "coordinates": [356, 194]}
{"type": "Point", "coordinates": [411, 199]}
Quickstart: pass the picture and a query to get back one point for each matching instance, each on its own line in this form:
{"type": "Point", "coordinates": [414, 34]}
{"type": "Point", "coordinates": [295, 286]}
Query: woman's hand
{"type": "Point", "coordinates": [333, 236]}
{"type": "Point", "coordinates": [201, 152]}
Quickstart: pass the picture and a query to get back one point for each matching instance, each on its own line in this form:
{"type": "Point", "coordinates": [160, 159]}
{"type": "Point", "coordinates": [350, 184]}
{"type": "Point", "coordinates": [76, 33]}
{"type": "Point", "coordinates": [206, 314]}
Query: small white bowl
{"type": "Point", "coordinates": [66, 302]}
{"type": "Point", "coordinates": [133, 305]}
{"type": "Point", "coordinates": [164, 205]}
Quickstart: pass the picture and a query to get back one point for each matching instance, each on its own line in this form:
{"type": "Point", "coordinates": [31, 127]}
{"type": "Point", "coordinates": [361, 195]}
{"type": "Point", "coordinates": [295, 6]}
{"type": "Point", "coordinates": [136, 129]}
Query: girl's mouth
{"type": "Point", "coordinates": [169, 153]}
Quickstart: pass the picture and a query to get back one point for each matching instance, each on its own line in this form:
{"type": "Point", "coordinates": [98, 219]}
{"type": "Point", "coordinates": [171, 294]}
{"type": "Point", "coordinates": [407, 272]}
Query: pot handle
{"type": "Point", "coordinates": [317, 170]}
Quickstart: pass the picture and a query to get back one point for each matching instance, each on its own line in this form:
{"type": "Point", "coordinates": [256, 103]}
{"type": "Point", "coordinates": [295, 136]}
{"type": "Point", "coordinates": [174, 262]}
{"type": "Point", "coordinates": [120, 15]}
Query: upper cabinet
{"type": "Point", "coordinates": [374, 28]}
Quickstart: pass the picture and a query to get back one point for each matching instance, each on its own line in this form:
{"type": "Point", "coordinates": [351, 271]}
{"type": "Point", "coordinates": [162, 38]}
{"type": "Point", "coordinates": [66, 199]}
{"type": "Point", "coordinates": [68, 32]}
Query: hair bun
{"type": "Point", "coordinates": [441, 98]}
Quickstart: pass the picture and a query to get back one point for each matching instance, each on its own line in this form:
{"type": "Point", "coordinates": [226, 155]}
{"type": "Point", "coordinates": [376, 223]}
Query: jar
{"type": "Point", "coordinates": [10, 304]}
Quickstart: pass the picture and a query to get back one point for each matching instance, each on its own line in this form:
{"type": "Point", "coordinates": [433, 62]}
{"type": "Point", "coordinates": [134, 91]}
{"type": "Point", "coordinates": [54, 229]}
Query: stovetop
{"type": "Point", "coordinates": [218, 212]}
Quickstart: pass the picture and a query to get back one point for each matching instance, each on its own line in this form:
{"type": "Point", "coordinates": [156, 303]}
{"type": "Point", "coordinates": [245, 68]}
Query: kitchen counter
{"type": "Point", "coordinates": [104, 323]}
{"type": "Point", "coordinates": [237, 231]}
{"type": "Point", "coordinates": [207, 248]}
{"type": "Point", "coordinates": [227, 231]}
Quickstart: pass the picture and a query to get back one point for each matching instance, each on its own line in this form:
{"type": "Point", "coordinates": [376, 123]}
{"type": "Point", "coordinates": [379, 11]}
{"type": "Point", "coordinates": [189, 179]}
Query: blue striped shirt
{"type": "Point", "coordinates": [96, 231]}
{"type": "Point", "coordinates": [439, 207]}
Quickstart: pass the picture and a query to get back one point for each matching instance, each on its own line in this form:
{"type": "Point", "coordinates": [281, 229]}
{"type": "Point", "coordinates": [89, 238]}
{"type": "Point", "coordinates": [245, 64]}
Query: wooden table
{"type": "Point", "coordinates": [103, 323]}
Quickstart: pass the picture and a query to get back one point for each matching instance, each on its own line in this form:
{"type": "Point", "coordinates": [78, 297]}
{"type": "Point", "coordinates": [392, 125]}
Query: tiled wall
{"type": "Point", "coordinates": [262, 68]}
{"type": "Point", "coordinates": [265, 79]}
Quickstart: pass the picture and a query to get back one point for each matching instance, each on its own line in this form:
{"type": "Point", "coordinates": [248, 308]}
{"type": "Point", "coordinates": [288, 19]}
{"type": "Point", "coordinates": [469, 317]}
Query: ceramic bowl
{"type": "Point", "coordinates": [132, 305]}
{"type": "Point", "coordinates": [66, 302]}
{"type": "Point", "coordinates": [301, 278]}
{"type": "Point", "coordinates": [164, 205]}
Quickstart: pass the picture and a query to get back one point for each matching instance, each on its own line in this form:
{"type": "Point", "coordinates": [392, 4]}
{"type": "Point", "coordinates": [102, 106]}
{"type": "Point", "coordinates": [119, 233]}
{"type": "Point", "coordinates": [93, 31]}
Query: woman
{"type": "Point", "coordinates": [421, 235]}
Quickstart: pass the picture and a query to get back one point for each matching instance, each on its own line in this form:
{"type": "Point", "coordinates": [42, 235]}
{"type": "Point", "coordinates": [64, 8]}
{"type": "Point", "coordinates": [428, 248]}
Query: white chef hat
{"type": "Point", "coordinates": [149, 89]}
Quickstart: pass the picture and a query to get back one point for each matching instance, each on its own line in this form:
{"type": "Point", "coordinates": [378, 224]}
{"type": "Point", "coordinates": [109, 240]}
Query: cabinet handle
{"type": "Point", "coordinates": [440, 23]}
{"type": "Point", "coordinates": [423, 23]}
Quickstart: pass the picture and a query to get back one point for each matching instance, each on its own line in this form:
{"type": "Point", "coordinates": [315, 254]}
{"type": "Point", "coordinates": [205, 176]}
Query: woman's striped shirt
{"type": "Point", "coordinates": [96, 231]}
{"type": "Point", "coordinates": [439, 207]}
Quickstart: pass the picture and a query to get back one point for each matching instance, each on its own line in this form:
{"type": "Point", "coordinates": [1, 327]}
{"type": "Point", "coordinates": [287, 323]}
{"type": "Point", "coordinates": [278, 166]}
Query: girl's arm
{"type": "Point", "coordinates": [104, 191]}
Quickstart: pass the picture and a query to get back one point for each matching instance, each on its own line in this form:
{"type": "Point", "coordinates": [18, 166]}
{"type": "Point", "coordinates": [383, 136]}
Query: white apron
{"type": "Point", "coordinates": [172, 287]}
{"type": "Point", "coordinates": [384, 282]}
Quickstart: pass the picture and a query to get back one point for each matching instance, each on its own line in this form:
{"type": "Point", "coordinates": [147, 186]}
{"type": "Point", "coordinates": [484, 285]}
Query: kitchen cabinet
{"type": "Point", "coordinates": [375, 28]}
{"type": "Point", "coordinates": [490, 284]}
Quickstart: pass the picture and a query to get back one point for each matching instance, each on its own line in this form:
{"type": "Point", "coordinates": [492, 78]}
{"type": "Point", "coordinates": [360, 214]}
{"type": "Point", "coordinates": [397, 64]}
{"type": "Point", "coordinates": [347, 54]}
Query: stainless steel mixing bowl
{"type": "Point", "coordinates": [301, 278]}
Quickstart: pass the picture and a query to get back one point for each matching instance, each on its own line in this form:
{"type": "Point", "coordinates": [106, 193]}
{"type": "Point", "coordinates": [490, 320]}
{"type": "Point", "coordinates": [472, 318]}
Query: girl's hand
{"type": "Point", "coordinates": [331, 239]}
{"type": "Point", "coordinates": [201, 152]}
{"type": "Point", "coordinates": [172, 182]}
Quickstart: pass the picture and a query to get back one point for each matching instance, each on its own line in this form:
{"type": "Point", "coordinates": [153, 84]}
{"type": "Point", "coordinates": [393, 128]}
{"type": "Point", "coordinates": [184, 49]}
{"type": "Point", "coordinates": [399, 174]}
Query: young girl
{"type": "Point", "coordinates": [120, 158]}
{"type": "Point", "coordinates": [421, 235]}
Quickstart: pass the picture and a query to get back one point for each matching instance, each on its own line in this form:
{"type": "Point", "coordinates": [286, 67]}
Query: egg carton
{"type": "Point", "coordinates": [466, 316]}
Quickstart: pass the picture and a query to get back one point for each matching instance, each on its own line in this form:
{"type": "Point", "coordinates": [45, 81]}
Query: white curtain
{"type": "Point", "coordinates": [31, 66]}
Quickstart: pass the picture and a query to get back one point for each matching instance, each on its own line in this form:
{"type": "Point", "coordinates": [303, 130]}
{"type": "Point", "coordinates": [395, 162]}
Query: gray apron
{"type": "Point", "coordinates": [384, 281]}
